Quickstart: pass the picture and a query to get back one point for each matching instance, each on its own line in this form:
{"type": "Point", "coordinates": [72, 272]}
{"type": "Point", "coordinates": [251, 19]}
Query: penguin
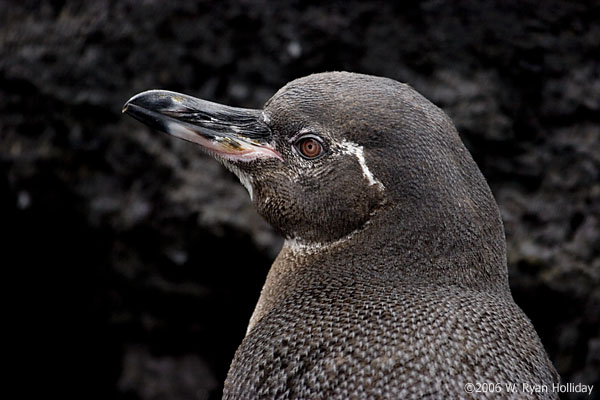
{"type": "Point", "coordinates": [392, 281]}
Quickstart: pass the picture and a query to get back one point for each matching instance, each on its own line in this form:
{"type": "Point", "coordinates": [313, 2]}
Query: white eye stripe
{"type": "Point", "coordinates": [358, 151]}
{"type": "Point", "coordinates": [266, 118]}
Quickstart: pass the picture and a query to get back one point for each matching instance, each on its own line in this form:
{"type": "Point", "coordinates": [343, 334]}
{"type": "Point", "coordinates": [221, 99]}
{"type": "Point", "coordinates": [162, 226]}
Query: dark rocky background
{"type": "Point", "coordinates": [132, 261]}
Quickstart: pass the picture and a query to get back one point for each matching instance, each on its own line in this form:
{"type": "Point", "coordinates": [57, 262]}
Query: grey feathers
{"type": "Point", "coordinates": [392, 282]}
{"type": "Point", "coordinates": [400, 291]}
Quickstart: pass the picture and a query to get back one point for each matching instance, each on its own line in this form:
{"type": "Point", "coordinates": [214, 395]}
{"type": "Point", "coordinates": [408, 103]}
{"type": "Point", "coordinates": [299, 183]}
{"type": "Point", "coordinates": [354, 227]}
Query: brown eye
{"type": "Point", "coordinates": [309, 147]}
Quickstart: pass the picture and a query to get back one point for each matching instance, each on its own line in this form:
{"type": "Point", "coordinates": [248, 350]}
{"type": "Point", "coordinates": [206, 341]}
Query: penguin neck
{"type": "Point", "coordinates": [391, 250]}
{"type": "Point", "coordinates": [440, 246]}
{"type": "Point", "coordinates": [412, 250]}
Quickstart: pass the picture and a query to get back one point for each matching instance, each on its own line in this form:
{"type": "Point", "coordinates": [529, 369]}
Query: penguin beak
{"type": "Point", "coordinates": [230, 133]}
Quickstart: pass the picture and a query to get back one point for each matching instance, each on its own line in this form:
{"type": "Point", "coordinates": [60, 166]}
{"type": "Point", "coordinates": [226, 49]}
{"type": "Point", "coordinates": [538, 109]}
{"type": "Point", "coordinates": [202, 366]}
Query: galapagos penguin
{"type": "Point", "coordinates": [392, 281]}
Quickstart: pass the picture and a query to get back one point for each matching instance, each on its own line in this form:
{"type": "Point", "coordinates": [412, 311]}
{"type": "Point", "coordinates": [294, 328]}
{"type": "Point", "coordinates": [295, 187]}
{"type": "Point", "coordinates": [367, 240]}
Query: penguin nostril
{"type": "Point", "coordinates": [309, 147]}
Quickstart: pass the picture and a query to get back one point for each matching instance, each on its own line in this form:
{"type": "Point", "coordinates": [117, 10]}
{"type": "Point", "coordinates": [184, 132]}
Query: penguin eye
{"type": "Point", "coordinates": [309, 147]}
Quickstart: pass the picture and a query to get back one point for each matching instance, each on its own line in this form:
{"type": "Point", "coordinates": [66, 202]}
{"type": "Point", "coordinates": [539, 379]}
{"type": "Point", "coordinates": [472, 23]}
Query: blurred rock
{"type": "Point", "coordinates": [138, 259]}
{"type": "Point", "coordinates": [165, 378]}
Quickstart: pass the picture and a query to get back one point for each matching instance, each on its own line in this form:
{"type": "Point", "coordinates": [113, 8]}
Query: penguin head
{"type": "Point", "coordinates": [330, 150]}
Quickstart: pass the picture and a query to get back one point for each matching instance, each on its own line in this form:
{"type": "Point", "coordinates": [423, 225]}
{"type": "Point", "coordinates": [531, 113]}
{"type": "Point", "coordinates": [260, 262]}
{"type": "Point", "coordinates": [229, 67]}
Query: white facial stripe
{"type": "Point", "coordinates": [245, 180]}
{"type": "Point", "coordinates": [363, 164]}
{"type": "Point", "coordinates": [299, 246]}
{"type": "Point", "coordinates": [357, 151]}
{"type": "Point", "coordinates": [266, 118]}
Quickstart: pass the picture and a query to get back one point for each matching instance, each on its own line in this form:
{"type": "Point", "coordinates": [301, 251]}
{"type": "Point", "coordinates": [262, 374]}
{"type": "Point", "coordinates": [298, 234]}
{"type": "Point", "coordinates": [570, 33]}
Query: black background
{"type": "Point", "coordinates": [132, 261]}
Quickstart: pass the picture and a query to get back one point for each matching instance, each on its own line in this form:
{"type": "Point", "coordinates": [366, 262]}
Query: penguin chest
{"type": "Point", "coordinates": [384, 343]}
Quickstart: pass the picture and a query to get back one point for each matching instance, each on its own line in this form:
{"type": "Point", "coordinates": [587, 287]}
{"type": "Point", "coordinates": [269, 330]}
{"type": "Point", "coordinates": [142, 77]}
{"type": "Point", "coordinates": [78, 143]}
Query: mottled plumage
{"type": "Point", "coordinates": [392, 282]}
